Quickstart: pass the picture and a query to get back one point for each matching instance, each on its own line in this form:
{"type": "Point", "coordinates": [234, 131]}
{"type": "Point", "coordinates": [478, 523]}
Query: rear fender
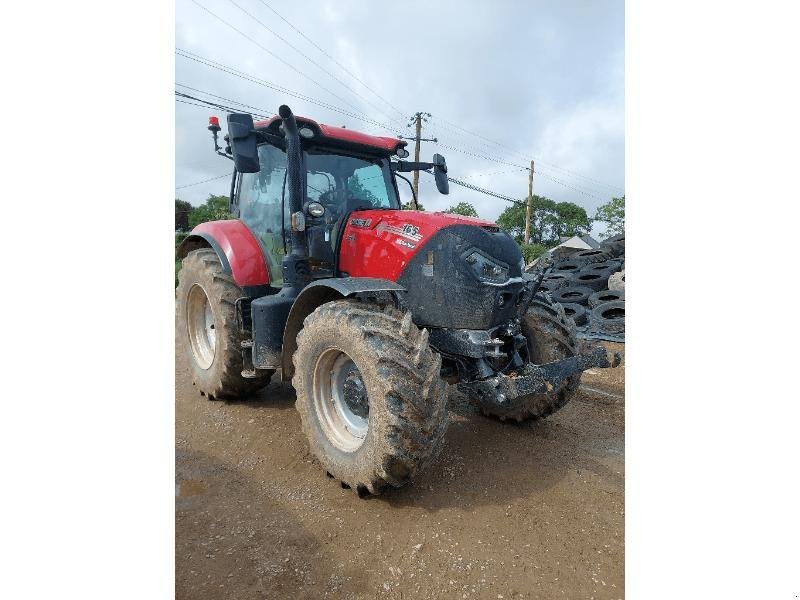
{"type": "Point", "coordinates": [318, 293]}
{"type": "Point", "coordinates": [237, 249]}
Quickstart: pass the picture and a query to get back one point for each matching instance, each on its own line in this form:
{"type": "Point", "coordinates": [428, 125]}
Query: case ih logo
{"type": "Point", "coordinates": [360, 222]}
{"type": "Point", "coordinates": [406, 230]}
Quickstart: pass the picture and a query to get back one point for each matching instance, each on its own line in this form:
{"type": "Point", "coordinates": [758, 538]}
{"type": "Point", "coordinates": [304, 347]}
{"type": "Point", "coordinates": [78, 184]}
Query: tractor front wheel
{"type": "Point", "coordinates": [551, 337]}
{"type": "Point", "coordinates": [206, 327]}
{"type": "Point", "coordinates": [369, 394]}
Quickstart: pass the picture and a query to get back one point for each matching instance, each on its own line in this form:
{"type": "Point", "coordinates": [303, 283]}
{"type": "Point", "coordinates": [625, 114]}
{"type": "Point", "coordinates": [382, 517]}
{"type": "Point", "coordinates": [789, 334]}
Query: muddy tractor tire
{"type": "Point", "coordinates": [369, 394]}
{"type": "Point", "coordinates": [206, 326]}
{"type": "Point", "coordinates": [551, 336]}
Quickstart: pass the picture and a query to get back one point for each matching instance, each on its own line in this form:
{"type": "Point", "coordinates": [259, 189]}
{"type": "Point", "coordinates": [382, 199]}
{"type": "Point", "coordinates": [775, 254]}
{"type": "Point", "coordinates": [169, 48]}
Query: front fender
{"type": "Point", "coordinates": [318, 293]}
{"type": "Point", "coordinates": [236, 246]}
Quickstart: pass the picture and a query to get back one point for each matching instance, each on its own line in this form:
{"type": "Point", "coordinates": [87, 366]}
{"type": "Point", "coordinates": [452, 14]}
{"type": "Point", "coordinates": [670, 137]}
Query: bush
{"type": "Point", "coordinates": [531, 252]}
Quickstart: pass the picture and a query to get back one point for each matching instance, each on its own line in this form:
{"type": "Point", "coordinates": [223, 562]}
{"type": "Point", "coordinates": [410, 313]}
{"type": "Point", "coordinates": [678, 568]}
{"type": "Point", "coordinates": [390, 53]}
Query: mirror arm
{"type": "Point", "coordinates": [406, 167]}
{"type": "Point", "coordinates": [413, 195]}
{"type": "Point", "coordinates": [271, 138]}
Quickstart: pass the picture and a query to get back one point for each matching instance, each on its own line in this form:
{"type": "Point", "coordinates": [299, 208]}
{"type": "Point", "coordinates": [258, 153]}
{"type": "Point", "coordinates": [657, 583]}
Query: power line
{"type": "Point", "coordinates": [558, 181]}
{"type": "Point", "coordinates": [312, 61]}
{"type": "Point", "coordinates": [519, 153]}
{"type": "Point", "coordinates": [340, 65]}
{"type": "Point", "coordinates": [247, 77]}
{"type": "Point", "coordinates": [179, 96]}
{"type": "Point", "coordinates": [484, 174]}
{"type": "Point", "coordinates": [267, 116]}
{"type": "Point", "coordinates": [227, 108]}
{"type": "Point", "coordinates": [484, 157]}
{"type": "Point", "coordinates": [271, 53]}
{"type": "Point", "coordinates": [253, 79]}
{"type": "Point", "coordinates": [228, 174]}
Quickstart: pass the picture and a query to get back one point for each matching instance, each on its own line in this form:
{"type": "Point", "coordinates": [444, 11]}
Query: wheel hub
{"type": "Point", "coordinates": [200, 321]}
{"type": "Point", "coordinates": [341, 400]}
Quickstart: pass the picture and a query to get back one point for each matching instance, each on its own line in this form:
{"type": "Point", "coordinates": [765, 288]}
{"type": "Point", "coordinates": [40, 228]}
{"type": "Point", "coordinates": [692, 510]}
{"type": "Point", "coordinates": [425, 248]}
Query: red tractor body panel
{"type": "Point", "coordinates": [380, 243]}
{"type": "Point", "coordinates": [342, 134]}
{"type": "Point", "coordinates": [248, 267]}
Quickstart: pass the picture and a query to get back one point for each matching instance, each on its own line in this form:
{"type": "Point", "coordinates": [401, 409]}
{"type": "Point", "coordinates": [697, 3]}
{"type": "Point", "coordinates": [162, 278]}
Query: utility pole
{"type": "Point", "coordinates": [417, 119]}
{"type": "Point", "coordinates": [527, 237]}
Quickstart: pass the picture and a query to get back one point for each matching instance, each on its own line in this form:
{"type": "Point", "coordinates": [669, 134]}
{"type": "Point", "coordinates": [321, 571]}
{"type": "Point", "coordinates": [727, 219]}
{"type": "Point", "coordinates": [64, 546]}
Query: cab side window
{"type": "Point", "coordinates": [260, 206]}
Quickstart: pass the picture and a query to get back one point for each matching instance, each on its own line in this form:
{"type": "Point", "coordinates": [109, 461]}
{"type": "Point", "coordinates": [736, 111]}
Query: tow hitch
{"type": "Point", "coordinates": [510, 389]}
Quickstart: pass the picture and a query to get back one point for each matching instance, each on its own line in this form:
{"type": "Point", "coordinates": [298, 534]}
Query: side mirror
{"type": "Point", "coordinates": [244, 145]}
{"type": "Point", "coordinates": [440, 174]}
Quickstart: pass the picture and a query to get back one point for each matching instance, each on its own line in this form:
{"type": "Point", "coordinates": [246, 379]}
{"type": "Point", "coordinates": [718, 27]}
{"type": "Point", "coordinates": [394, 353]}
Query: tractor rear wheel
{"type": "Point", "coordinates": [551, 337]}
{"type": "Point", "coordinates": [369, 394]}
{"type": "Point", "coordinates": [207, 328]}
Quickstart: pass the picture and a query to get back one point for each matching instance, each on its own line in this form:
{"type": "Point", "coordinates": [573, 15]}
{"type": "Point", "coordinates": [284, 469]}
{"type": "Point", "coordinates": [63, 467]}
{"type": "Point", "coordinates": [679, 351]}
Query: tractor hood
{"type": "Point", "coordinates": [458, 271]}
{"type": "Point", "coordinates": [380, 243]}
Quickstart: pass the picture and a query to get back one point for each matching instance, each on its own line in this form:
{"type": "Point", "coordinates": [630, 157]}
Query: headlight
{"type": "Point", "coordinates": [315, 209]}
{"type": "Point", "coordinates": [487, 269]}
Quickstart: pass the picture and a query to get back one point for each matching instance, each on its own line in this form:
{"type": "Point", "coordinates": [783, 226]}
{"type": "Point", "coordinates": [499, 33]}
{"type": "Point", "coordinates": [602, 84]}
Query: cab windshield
{"type": "Point", "coordinates": [345, 183]}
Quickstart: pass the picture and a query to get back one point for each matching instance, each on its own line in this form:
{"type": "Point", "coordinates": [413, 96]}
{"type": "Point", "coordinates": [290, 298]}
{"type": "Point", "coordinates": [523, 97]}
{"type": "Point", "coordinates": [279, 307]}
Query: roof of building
{"type": "Point", "coordinates": [579, 242]}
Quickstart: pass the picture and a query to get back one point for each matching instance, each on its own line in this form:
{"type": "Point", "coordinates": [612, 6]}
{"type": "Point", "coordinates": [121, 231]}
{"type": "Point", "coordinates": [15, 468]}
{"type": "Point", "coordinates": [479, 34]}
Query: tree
{"type": "Point", "coordinates": [464, 209]}
{"type": "Point", "coordinates": [409, 206]}
{"type": "Point", "coordinates": [512, 219]}
{"type": "Point", "coordinates": [549, 220]}
{"type": "Point", "coordinates": [182, 210]}
{"type": "Point", "coordinates": [613, 215]}
{"type": "Point", "coordinates": [531, 252]}
{"type": "Point", "coordinates": [570, 220]}
{"type": "Point", "coordinates": [214, 209]}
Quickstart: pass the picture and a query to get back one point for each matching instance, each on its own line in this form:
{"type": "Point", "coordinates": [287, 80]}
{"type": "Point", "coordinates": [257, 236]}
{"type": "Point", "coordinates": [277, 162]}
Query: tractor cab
{"type": "Point", "coordinates": [338, 172]}
{"type": "Point", "coordinates": [336, 184]}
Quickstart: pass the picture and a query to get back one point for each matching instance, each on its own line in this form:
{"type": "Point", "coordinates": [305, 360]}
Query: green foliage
{"type": "Point", "coordinates": [613, 215]}
{"type": "Point", "coordinates": [570, 220]}
{"type": "Point", "coordinates": [512, 219]}
{"type": "Point", "coordinates": [182, 210]}
{"type": "Point", "coordinates": [463, 208]}
{"type": "Point", "coordinates": [531, 252]}
{"type": "Point", "coordinates": [214, 209]}
{"type": "Point", "coordinates": [408, 206]}
{"type": "Point", "coordinates": [549, 221]}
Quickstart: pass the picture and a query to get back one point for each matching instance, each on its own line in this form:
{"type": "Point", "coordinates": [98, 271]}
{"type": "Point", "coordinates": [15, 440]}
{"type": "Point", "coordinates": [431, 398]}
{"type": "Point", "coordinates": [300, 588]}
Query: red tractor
{"type": "Point", "coordinates": [370, 310]}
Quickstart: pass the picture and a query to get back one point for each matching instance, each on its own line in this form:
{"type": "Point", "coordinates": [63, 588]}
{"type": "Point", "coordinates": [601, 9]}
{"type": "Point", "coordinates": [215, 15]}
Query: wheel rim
{"type": "Point", "coordinates": [202, 335]}
{"type": "Point", "coordinates": [340, 400]}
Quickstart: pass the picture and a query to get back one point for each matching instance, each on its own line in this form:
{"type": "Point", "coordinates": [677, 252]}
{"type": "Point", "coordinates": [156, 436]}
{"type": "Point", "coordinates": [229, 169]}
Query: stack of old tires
{"type": "Point", "coordinates": [590, 285]}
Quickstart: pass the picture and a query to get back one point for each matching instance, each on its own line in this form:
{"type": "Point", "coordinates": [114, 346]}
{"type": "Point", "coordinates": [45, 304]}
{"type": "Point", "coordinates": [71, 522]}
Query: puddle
{"type": "Point", "coordinates": [190, 487]}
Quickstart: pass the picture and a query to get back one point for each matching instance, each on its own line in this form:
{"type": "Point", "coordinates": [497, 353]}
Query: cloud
{"type": "Point", "coordinates": [543, 79]}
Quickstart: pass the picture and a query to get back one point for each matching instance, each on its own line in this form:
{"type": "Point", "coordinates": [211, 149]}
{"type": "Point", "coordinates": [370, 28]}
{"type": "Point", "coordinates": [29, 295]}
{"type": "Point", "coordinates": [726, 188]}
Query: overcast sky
{"type": "Point", "coordinates": [541, 80]}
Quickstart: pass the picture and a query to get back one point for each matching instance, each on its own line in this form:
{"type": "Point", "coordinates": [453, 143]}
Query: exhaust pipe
{"type": "Point", "coordinates": [296, 272]}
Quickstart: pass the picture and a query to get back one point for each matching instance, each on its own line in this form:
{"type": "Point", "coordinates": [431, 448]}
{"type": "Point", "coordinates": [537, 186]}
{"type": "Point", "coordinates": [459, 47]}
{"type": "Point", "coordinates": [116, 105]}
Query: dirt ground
{"type": "Point", "coordinates": [508, 511]}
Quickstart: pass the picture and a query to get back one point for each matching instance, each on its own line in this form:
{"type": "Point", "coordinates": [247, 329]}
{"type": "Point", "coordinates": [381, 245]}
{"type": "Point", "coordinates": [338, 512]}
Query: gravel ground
{"type": "Point", "coordinates": [508, 511]}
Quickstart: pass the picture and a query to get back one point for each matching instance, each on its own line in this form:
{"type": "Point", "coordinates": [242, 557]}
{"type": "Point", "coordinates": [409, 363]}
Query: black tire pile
{"type": "Point", "coordinates": [579, 282]}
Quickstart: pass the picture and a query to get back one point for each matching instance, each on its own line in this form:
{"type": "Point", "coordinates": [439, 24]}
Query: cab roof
{"type": "Point", "coordinates": [339, 136]}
